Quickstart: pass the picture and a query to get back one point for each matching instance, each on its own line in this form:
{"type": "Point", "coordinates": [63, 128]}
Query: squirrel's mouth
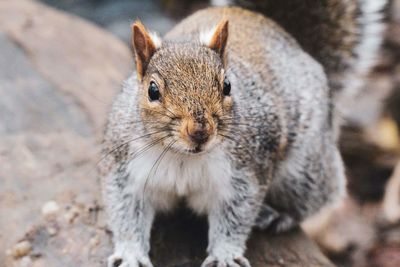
{"type": "Point", "coordinates": [184, 146]}
{"type": "Point", "coordinates": [198, 149]}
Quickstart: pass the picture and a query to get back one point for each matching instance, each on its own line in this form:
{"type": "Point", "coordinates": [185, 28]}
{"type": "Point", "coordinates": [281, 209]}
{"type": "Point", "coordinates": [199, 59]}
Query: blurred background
{"type": "Point", "coordinates": [61, 63]}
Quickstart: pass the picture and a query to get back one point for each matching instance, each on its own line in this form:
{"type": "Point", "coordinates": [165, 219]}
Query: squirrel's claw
{"type": "Point", "coordinates": [114, 261]}
{"type": "Point", "coordinates": [273, 221]}
{"type": "Point", "coordinates": [212, 261]}
{"type": "Point", "coordinates": [117, 260]}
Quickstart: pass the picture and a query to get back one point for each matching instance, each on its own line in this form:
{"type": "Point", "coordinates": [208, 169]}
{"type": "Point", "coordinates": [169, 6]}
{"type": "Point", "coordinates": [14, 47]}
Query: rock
{"type": "Point", "coordinates": [52, 231]}
{"type": "Point", "coordinates": [71, 214]}
{"type": "Point", "coordinates": [56, 111]}
{"type": "Point", "coordinates": [58, 76]}
{"type": "Point", "coordinates": [25, 262]}
{"type": "Point", "coordinates": [81, 243]}
{"type": "Point", "coordinates": [391, 201]}
{"type": "Point", "coordinates": [21, 249]}
{"type": "Point", "coordinates": [50, 209]}
{"type": "Point", "coordinates": [80, 60]}
{"type": "Point", "coordinates": [94, 241]}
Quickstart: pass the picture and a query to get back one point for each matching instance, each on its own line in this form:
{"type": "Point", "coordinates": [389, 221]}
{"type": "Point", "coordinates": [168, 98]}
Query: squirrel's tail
{"type": "Point", "coordinates": [343, 35]}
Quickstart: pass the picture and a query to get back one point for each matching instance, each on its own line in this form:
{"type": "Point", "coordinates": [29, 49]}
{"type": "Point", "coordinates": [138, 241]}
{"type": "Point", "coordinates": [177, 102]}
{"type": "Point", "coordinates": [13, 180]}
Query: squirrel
{"type": "Point", "coordinates": [236, 113]}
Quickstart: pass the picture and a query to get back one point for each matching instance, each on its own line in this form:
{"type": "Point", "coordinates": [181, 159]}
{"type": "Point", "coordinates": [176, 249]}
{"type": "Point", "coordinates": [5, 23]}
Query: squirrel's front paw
{"type": "Point", "coordinates": [128, 260]}
{"type": "Point", "coordinates": [226, 261]}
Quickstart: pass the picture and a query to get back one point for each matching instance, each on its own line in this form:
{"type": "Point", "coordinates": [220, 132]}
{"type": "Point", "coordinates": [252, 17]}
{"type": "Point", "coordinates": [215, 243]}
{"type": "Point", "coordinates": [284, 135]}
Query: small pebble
{"type": "Point", "coordinates": [52, 231]}
{"type": "Point", "coordinates": [94, 241]}
{"type": "Point", "coordinates": [25, 262]}
{"type": "Point", "coordinates": [21, 249]}
{"type": "Point", "coordinates": [71, 214]}
{"type": "Point", "coordinates": [50, 208]}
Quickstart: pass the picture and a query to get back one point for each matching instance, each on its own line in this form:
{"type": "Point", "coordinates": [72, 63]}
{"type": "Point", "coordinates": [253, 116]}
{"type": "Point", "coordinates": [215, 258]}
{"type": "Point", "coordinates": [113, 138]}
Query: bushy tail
{"type": "Point", "coordinates": [343, 35]}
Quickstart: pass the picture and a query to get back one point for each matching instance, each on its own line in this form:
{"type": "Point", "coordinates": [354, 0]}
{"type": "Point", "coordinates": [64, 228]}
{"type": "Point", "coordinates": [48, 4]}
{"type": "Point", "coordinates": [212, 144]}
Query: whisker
{"type": "Point", "coordinates": [157, 164]}
{"type": "Point", "coordinates": [237, 117]}
{"type": "Point", "coordinates": [147, 121]}
{"type": "Point", "coordinates": [227, 137]}
{"type": "Point", "coordinates": [172, 113]}
{"type": "Point", "coordinates": [158, 112]}
{"type": "Point", "coordinates": [237, 141]}
{"type": "Point", "coordinates": [115, 148]}
{"type": "Point", "coordinates": [146, 147]}
{"type": "Point", "coordinates": [249, 108]}
{"type": "Point", "coordinates": [241, 124]}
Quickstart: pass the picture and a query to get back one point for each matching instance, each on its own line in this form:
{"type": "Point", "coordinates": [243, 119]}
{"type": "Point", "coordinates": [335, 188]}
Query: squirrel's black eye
{"type": "Point", "coordinates": [227, 87]}
{"type": "Point", "coordinates": [154, 93]}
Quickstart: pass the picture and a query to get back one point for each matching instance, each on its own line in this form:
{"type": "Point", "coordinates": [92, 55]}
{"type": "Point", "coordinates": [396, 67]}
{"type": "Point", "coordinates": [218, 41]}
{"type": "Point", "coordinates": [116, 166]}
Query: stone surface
{"type": "Point", "coordinates": [21, 249]}
{"type": "Point", "coordinates": [58, 75]}
{"type": "Point", "coordinates": [29, 102]}
{"type": "Point", "coordinates": [50, 209]}
{"type": "Point", "coordinates": [71, 54]}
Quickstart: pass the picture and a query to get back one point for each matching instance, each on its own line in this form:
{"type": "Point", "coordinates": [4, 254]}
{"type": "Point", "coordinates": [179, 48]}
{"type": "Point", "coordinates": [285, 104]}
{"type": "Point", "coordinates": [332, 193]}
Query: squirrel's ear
{"type": "Point", "coordinates": [144, 45]}
{"type": "Point", "coordinates": [217, 38]}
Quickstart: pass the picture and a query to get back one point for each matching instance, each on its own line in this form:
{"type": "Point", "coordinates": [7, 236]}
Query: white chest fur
{"type": "Point", "coordinates": [202, 180]}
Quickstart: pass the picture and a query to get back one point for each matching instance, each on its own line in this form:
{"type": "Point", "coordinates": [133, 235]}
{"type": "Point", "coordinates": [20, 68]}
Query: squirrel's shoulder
{"type": "Point", "coordinates": [241, 22]}
{"type": "Point", "coordinates": [249, 31]}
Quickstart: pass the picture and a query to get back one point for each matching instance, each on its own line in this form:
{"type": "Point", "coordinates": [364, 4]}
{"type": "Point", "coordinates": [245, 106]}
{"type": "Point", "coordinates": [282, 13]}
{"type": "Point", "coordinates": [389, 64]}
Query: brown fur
{"type": "Point", "coordinates": [144, 47]}
{"type": "Point", "coordinates": [219, 39]}
{"type": "Point", "coordinates": [329, 30]}
{"type": "Point", "coordinates": [196, 102]}
{"type": "Point", "coordinates": [190, 104]}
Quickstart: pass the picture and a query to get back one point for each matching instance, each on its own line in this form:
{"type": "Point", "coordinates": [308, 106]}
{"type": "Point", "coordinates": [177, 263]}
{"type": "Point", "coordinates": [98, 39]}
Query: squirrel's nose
{"type": "Point", "coordinates": [199, 136]}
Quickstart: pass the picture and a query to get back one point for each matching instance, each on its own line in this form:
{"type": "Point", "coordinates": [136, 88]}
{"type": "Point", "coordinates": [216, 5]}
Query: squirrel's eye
{"type": "Point", "coordinates": [154, 93]}
{"type": "Point", "coordinates": [227, 87]}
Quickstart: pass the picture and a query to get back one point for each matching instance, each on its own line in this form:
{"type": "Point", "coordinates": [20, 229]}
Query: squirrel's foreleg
{"type": "Point", "coordinates": [230, 223]}
{"type": "Point", "coordinates": [131, 218]}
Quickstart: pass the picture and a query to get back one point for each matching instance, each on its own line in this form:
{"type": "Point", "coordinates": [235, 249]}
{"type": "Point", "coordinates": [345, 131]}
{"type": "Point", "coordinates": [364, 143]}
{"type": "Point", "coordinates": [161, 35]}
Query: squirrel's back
{"type": "Point", "coordinates": [250, 33]}
{"type": "Point", "coordinates": [342, 35]}
{"type": "Point", "coordinates": [258, 48]}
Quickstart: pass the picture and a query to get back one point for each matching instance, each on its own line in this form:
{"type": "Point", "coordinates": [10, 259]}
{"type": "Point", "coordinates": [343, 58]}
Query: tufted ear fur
{"type": "Point", "coordinates": [217, 38]}
{"type": "Point", "coordinates": [144, 45]}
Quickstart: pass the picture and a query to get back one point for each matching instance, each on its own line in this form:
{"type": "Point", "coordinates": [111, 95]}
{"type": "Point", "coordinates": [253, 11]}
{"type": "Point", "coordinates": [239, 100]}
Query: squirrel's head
{"type": "Point", "coordinates": [185, 94]}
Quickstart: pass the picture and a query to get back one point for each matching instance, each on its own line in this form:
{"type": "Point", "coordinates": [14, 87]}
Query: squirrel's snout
{"type": "Point", "coordinates": [197, 133]}
{"type": "Point", "coordinates": [199, 136]}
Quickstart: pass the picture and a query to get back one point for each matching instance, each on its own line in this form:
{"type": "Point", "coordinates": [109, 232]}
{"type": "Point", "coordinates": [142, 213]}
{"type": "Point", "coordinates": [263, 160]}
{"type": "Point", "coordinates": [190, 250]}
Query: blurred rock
{"type": "Point", "coordinates": [58, 75]}
{"type": "Point", "coordinates": [25, 262]}
{"type": "Point", "coordinates": [385, 256]}
{"type": "Point", "coordinates": [22, 83]}
{"type": "Point", "coordinates": [50, 209]}
{"type": "Point", "coordinates": [391, 201]}
{"type": "Point", "coordinates": [77, 243]}
{"type": "Point", "coordinates": [117, 15]}
{"type": "Point", "coordinates": [52, 231]}
{"type": "Point", "coordinates": [71, 214]}
{"type": "Point", "coordinates": [21, 249]}
{"type": "Point", "coordinates": [368, 165]}
{"type": "Point", "coordinates": [349, 234]}
{"type": "Point", "coordinates": [79, 60]}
